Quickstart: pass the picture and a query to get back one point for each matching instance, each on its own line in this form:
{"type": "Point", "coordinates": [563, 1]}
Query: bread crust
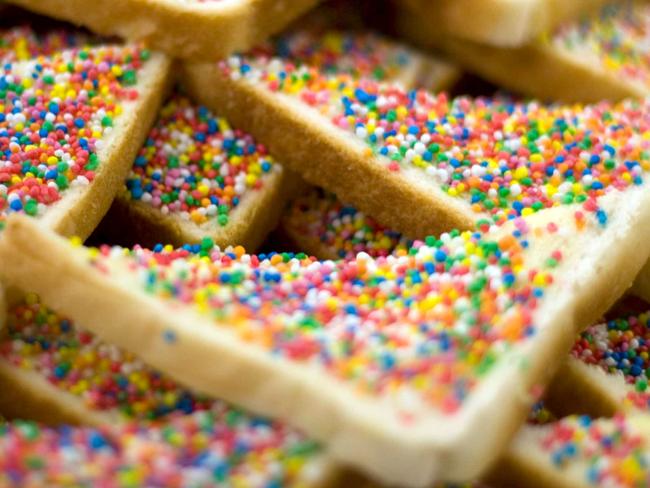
{"type": "Point", "coordinates": [296, 137]}
{"type": "Point", "coordinates": [204, 31]}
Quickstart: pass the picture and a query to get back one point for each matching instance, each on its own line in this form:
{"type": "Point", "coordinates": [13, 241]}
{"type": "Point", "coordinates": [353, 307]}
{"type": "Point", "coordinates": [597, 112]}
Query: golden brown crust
{"type": "Point", "coordinates": [641, 286]}
{"type": "Point", "coordinates": [201, 31]}
{"type": "Point", "coordinates": [538, 69]}
{"type": "Point", "coordinates": [499, 22]}
{"type": "Point", "coordinates": [341, 163]}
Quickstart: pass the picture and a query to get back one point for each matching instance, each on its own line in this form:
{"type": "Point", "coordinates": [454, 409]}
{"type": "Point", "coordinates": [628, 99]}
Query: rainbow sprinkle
{"type": "Point", "coordinates": [195, 166]}
{"type": "Point", "coordinates": [54, 114]}
{"type": "Point", "coordinates": [422, 323]}
{"type": "Point", "coordinates": [618, 40]}
{"type": "Point", "coordinates": [608, 452]}
{"type": "Point", "coordinates": [197, 437]}
{"type": "Point", "coordinates": [503, 159]}
{"type": "Point", "coordinates": [340, 230]}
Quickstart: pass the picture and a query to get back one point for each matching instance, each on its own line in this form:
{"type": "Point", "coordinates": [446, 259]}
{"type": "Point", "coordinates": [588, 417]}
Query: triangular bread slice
{"type": "Point", "coordinates": [88, 108]}
{"type": "Point", "coordinates": [590, 381]}
{"type": "Point", "coordinates": [54, 372]}
{"type": "Point", "coordinates": [580, 452]}
{"type": "Point", "coordinates": [440, 163]}
{"type": "Point", "coordinates": [200, 29]}
{"type": "Point", "coordinates": [394, 363]}
{"type": "Point", "coordinates": [498, 22]}
{"type": "Point", "coordinates": [604, 57]}
{"type": "Point", "coordinates": [197, 178]}
{"type": "Point", "coordinates": [93, 109]}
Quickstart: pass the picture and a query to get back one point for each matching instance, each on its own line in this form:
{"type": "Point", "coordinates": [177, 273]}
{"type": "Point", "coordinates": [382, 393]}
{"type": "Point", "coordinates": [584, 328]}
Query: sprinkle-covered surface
{"type": "Point", "coordinates": [23, 43]}
{"type": "Point", "coordinates": [341, 230]}
{"type": "Point", "coordinates": [54, 114]}
{"type": "Point", "coordinates": [599, 452]}
{"type": "Point", "coordinates": [621, 346]}
{"type": "Point", "coordinates": [504, 159]}
{"type": "Point", "coordinates": [196, 166]}
{"type": "Point", "coordinates": [220, 447]}
{"type": "Point", "coordinates": [428, 324]}
{"type": "Point", "coordinates": [618, 41]}
{"type": "Point", "coordinates": [167, 437]}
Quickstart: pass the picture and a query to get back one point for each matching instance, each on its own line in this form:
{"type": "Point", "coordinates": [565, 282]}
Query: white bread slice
{"type": "Point", "coordinates": [498, 22]}
{"type": "Point", "coordinates": [82, 204]}
{"type": "Point", "coordinates": [396, 435]}
{"type": "Point", "coordinates": [205, 30]}
{"type": "Point", "coordinates": [336, 132]}
{"type": "Point", "coordinates": [601, 58]}
{"type": "Point", "coordinates": [92, 392]}
{"type": "Point", "coordinates": [580, 452]}
{"type": "Point", "coordinates": [206, 153]}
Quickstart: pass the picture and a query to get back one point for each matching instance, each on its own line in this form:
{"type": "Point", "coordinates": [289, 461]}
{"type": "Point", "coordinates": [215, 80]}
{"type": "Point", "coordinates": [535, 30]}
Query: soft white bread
{"type": "Point", "coordinates": [602, 58]}
{"type": "Point", "coordinates": [106, 290]}
{"type": "Point", "coordinates": [498, 22]}
{"type": "Point", "coordinates": [82, 204]}
{"type": "Point", "coordinates": [204, 30]}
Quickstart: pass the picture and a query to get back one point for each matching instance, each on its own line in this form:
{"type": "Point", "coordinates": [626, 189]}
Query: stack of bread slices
{"type": "Point", "coordinates": [269, 243]}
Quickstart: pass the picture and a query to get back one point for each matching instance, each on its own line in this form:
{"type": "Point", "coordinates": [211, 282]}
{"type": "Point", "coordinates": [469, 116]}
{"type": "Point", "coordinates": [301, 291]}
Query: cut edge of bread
{"type": "Point", "coordinates": [295, 133]}
{"type": "Point", "coordinates": [356, 429]}
{"type": "Point", "coordinates": [641, 286]}
{"type": "Point", "coordinates": [195, 30]}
